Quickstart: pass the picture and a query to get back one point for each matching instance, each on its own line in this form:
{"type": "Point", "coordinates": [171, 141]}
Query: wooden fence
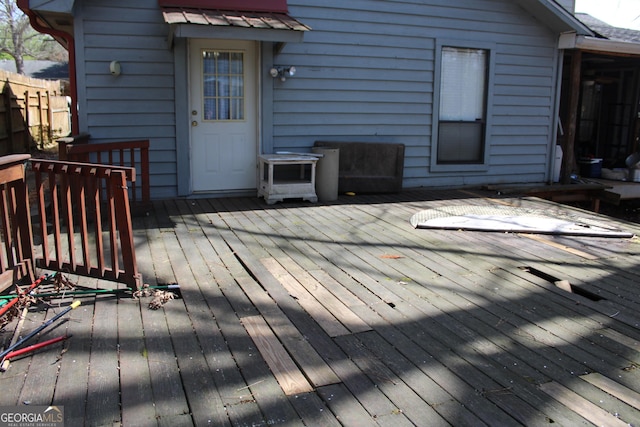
{"type": "Point", "coordinates": [34, 113]}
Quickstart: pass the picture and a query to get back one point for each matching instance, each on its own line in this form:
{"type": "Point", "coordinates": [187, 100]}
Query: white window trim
{"type": "Point", "coordinates": [462, 167]}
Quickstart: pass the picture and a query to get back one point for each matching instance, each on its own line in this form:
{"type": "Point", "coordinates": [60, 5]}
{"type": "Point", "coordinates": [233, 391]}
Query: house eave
{"type": "Point", "coordinates": [57, 15]}
{"type": "Point", "coordinates": [56, 6]}
{"type": "Point", "coordinates": [207, 32]}
{"type": "Point", "coordinates": [554, 16]}
{"type": "Point", "coordinates": [598, 45]}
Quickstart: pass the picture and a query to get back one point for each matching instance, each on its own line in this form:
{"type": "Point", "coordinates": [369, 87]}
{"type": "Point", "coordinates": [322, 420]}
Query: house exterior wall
{"type": "Point", "coordinates": [140, 103]}
{"type": "Point", "coordinates": [364, 73]}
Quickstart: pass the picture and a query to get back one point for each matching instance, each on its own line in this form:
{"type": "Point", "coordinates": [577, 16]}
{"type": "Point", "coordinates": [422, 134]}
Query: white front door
{"type": "Point", "coordinates": [224, 105]}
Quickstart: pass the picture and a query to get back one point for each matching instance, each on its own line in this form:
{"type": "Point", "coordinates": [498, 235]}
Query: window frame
{"type": "Point", "coordinates": [483, 165]}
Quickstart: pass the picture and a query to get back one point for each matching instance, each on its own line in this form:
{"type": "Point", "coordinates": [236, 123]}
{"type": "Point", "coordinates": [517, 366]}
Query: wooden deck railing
{"type": "Point", "coordinates": [16, 251]}
{"type": "Point", "coordinates": [134, 154]}
{"type": "Point", "coordinates": [84, 220]}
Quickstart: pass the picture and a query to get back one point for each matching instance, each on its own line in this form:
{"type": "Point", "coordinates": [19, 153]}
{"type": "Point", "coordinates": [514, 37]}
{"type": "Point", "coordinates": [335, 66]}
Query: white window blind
{"type": "Point", "coordinates": [463, 81]}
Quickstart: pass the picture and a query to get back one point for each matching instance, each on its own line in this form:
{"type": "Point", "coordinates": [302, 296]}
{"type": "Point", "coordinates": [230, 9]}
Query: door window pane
{"type": "Point", "coordinates": [223, 88]}
{"type": "Point", "coordinates": [463, 85]}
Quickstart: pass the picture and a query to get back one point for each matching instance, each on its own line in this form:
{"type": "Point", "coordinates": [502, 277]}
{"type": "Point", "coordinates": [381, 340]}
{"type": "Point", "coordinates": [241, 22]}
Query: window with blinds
{"type": "Point", "coordinates": [462, 110]}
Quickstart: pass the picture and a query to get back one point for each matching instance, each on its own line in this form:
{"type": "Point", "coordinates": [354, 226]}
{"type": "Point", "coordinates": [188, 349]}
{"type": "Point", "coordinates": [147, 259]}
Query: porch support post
{"type": "Point", "coordinates": [569, 158]}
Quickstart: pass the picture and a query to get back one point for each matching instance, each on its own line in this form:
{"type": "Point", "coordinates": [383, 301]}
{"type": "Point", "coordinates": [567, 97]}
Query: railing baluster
{"type": "Point", "coordinates": [67, 203]}
{"type": "Point", "coordinates": [6, 228]}
{"type": "Point", "coordinates": [42, 211]}
{"type": "Point", "coordinates": [22, 223]}
{"type": "Point", "coordinates": [81, 204]}
{"type": "Point", "coordinates": [94, 185]}
{"type": "Point", "coordinates": [123, 218]}
{"type": "Point", "coordinates": [113, 236]}
{"type": "Point", "coordinates": [55, 219]}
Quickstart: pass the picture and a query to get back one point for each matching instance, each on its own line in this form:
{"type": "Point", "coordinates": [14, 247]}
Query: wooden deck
{"type": "Point", "coordinates": [343, 314]}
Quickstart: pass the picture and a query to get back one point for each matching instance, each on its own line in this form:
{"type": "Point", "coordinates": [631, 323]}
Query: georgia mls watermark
{"type": "Point", "coordinates": [31, 416]}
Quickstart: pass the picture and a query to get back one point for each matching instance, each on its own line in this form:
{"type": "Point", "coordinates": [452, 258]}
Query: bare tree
{"type": "Point", "coordinates": [19, 40]}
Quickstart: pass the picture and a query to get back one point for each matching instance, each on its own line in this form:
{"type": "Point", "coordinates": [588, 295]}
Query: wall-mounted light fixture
{"type": "Point", "coordinates": [114, 68]}
{"type": "Point", "coordinates": [282, 72]}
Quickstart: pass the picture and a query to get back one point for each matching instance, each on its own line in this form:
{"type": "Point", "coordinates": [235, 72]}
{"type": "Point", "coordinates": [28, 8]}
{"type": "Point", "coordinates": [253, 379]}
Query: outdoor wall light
{"type": "Point", "coordinates": [282, 72]}
{"type": "Point", "coordinates": [114, 68]}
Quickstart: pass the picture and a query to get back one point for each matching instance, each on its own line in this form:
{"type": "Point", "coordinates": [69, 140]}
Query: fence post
{"type": "Point", "coordinates": [12, 128]}
{"type": "Point", "coordinates": [40, 118]}
{"type": "Point", "coordinates": [27, 119]}
{"type": "Point", "coordinates": [6, 99]}
{"type": "Point", "coordinates": [49, 119]}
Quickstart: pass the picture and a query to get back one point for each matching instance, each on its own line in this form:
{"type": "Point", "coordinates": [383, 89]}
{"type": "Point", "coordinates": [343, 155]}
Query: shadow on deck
{"type": "Point", "coordinates": [343, 314]}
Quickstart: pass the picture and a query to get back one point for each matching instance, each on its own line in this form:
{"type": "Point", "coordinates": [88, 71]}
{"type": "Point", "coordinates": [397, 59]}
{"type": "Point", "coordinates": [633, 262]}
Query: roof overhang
{"type": "Point", "coordinates": [233, 24]}
{"type": "Point", "coordinates": [554, 16]}
{"type": "Point", "coordinates": [598, 45]}
{"type": "Point", "coordinates": [54, 14]}
{"type": "Point", "coordinates": [275, 6]}
{"type": "Point", "coordinates": [265, 20]}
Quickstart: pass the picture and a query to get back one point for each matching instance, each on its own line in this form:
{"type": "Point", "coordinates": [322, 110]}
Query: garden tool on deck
{"type": "Point", "coordinates": [15, 353]}
{"type": "Point", "coordinates": [16, 298]}
{"type": "Point", "coordinates": [38, 329]}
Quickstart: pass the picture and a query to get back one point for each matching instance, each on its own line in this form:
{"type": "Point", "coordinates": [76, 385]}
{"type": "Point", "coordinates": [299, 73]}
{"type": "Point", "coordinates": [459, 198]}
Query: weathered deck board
{"type": "Point", "coordinates": [373, 401]}
{"type": "Point", "coordinates": [614, 389]}
{"type": "Point", "coordinates": [281, 364]}
{"type": "Point", "coordinates": [209, 322]}
{"type": "Point", "coordinates": [536, 319]}
{"type": "Point", "coordinates": [169, 397]}
{"type": "Point", "coordinates": [411, 404]}
{"type": "Point", "coordinates": [390, 325]}
{"type": "Point", "coordinates": [325, 318]}
{"type": "Point", "coordinates": [264, 392]}
{"type": "Point", "coordinates": [442, 401]}
{"type": "Point", "coordinates": [103, 404]}
{"type": "Point", "coordinates": [205, 402]}
{"type": "Point", "coordinates": [72, 388]}
{"type": "Point", "coordinates": [135, 378]}
{"type": "Point", "coordinates": [320, 287]}
{"type": "Point", "coordinates": [40, 379]}
{"type": "Point", "coordinates": [341, 252]}
{"type": "Point", "coordinates": [573, 401]}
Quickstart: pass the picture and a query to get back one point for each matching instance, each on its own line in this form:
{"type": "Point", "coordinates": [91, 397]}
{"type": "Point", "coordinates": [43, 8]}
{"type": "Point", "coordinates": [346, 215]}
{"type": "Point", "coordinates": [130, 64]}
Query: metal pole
{"type": "Point", "coordinates": [38, 329]}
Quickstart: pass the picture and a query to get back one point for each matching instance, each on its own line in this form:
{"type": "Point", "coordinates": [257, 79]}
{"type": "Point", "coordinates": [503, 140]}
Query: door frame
{"type": "Point", "coordinates": [183, 121]}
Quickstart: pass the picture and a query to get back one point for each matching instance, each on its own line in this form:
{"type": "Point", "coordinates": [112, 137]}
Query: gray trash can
{"type": "Point", "coordinates": [327, 173]}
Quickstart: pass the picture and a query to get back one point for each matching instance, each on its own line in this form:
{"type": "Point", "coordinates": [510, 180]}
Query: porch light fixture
{"type": "Point", "coordinates": [114, 68]}
{"type": "Point", "coordinates": [282, 72]}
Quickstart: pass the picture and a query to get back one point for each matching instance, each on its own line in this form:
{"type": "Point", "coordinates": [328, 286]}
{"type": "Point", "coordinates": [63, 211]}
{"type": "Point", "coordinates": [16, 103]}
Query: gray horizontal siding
{"type": "Point", "coordinates": [139, 104]}
{"type": "Point", "coordinates": [365, 73]}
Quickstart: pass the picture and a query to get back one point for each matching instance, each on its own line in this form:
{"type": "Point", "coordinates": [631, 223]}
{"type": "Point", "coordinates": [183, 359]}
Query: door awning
{"type": "Point", "coordinates": [244, 19]}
